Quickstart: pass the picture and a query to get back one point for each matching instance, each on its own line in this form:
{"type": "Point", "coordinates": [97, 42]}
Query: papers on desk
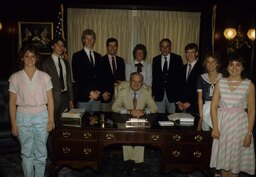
{"type": "Point", "coordinates": [166, 123]}
{"type": "Point", "coordinates": [73, 113]}
{"type": "Point", "coordinates": [183, 119]}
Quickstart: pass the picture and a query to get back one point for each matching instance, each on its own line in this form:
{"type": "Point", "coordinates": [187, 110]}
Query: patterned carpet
{"type": "Point", "coordinates": [10, 166]}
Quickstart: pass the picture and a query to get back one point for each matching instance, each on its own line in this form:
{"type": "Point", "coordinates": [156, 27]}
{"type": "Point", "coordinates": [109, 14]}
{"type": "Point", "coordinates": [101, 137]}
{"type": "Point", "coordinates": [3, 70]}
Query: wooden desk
{"type": "Point", "coordinates": [181, 148]}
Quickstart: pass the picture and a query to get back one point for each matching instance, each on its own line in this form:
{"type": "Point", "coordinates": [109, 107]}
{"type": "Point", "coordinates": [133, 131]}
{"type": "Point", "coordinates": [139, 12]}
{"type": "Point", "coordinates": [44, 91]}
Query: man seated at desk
{"type": "Point", "coordinates": [135, 100]}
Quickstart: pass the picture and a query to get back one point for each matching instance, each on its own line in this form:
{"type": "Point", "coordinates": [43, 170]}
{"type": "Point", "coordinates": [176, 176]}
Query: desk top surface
{"type": "Point", "coordinates": [110, 120]}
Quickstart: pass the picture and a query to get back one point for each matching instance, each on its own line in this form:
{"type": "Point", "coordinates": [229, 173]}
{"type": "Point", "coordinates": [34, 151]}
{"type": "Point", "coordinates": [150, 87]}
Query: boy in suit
{"type": "Point", "coordinates": [59, 70]}
{"type": "Point", "coordinates": [88, 73]}
{"type": "Point", "coordinates": [114, 73]}
{"type": "Point", "coordinates": [191, 71]}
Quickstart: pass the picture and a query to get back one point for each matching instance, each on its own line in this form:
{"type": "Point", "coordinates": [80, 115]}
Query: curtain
{"type": "Point", "coordinates": [131, 27]}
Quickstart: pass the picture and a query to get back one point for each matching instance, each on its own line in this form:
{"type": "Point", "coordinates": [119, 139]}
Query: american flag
{"type": "Point", "coordinates": [59, 24]}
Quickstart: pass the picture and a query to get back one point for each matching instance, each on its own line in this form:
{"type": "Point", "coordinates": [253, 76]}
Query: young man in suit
{"type": "Point", "coordinates": [59, 70]}
{"type": "Point", "coordinates": [135, 100]}
{"type": "Point", "coordinates": [114, 73]}
{"type": "Point", "coordinates": [191, 71]}
{"type": "Point", "coordinates": [167, 69]}
{"type": "Point", "coordinates": [88, 73]}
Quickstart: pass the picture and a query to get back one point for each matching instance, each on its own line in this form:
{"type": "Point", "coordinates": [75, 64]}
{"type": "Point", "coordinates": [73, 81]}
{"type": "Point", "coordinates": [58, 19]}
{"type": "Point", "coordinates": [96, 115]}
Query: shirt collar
{"type": "Point", "coordinates": [136, 62]}
{"type": "Point", "coordinates": [55, 57]}
{"type": "Point", "coordinates": [167, 56]}
{"type": "Point", "coordinates": [110, 56]}
{"type": "Point", "coordinates": [193, 63]}
{"type": "Point", "coordinates": [87, 50]}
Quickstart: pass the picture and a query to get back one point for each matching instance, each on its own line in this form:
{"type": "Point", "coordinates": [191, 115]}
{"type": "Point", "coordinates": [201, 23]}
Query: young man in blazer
{"type": "Point", "coordinates": [167, 82]}
{"type": "Point", "coordinates": [191, 71]}
{"type": "Point", "coordinates": [88, 73]}
{"type": "Point", "coordinates": [114, 73]}
{"type": "Point", "coordinates": [59, 70]}
{"type": "Point", "coordinates": [56, 66]}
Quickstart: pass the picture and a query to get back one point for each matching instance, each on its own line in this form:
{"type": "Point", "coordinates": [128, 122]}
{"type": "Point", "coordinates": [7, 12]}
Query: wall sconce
{"type": "Point", "coordinates": [237, 39]}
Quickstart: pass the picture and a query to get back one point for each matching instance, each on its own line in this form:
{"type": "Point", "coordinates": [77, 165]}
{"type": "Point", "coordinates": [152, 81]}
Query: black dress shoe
{"type": "Point", "coordinates": [128, 167]}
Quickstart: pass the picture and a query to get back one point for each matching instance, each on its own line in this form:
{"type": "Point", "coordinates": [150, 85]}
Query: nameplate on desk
{"type": "Point", "coordinates": [137, 123]}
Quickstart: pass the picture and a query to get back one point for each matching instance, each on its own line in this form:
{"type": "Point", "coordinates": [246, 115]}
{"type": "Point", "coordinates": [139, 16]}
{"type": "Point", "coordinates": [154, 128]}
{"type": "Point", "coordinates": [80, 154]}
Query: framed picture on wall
{"type": "Point", "coordinates": [39, 34]}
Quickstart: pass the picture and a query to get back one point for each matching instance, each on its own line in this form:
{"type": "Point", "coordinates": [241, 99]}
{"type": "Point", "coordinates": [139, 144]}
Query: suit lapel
{"type": "Point", "coordinates": [53, 68]}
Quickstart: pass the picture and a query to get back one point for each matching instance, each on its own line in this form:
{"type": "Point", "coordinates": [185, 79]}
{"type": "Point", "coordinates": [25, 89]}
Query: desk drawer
{"type": "Point", "coordinates": [188, 153]}
{"type": "Point", "coordinates": [183, 137]}
{"type": "Point", "coordinates": [107, 136]}
{"type": "Point", "coordinates": [74, 134]}
{"type": "Point", "coordinates": [75, 150]}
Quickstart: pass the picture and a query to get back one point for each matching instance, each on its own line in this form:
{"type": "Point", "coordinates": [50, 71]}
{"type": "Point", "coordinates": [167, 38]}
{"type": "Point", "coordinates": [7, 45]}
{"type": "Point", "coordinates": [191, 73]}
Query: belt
{"type": "Point", "coordinates": [63, 92]}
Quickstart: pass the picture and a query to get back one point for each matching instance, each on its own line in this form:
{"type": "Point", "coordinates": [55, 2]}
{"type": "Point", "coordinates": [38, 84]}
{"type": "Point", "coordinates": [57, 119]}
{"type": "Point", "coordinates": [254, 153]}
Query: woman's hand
{"type": "Point", "coordinates": [199, 125]}
{"type": "Point", "coordinates": [215, 133]}
{"type": "Point", "coordinates": [15, 130]}
{"type": "Point", "coordinates": [247, 140]}
{"type": "Point", "coordinates": [50, 126]}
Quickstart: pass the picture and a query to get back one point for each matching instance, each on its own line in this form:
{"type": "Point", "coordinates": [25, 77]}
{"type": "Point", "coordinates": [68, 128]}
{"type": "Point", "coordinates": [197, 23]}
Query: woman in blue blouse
{"type": "Point", "coordinates": [205, 86]}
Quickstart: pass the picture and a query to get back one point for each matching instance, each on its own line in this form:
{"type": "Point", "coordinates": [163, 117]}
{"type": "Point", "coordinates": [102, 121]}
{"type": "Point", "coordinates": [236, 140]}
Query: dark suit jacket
{"type": "Point", "coordinates": [190, 89]}
{"type": "Point", "coordinates": [109, 78]}
{"type": "Point", "coordinates": [86, 76]}
{"type": "Point", "coordinates": [174, 78]}
{"type": "Point", "coordinates": [60, 103]}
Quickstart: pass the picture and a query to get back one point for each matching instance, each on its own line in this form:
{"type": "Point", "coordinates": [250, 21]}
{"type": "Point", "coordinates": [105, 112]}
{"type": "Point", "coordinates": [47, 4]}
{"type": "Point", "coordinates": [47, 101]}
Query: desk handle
{"type": "Point", "coordinates": [87, 135]}
{"type": "Point", "coordinates": [176, 137]}
{"type": "Point", "coordinates": [176, 153]}
{"type": "Point", "coordinates": [197, 154]}
{"type": "Point", "coordinates": [66, 150]}
{"type": "Point", "coordinates": [109, 136]}
{"type": "Point", "coordinates": [87, 151]}
{"type": "Point", "coordinates": [199, 138]}
{"type": "Point", "coordinates": [66, 134]}
{"type": "Point", "coordinates": [155, 137]}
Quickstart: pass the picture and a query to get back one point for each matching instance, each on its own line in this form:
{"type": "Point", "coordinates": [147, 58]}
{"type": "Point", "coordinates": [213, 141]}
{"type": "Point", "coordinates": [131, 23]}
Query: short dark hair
{"type": "Point", "coordinates": [88, 32]}
{"type": "Point", "coordinates": [140, 47]}
{"type": "Point", "coordinates": [31, 48]}
{"type": "Point", "coordinates": [57, 39]}
{"type": "Point", "coordinates": [111, 40]}
{"type": "Point", "coordinates": [238, 57]}
{"type": "Point", "coordinates": [165, 40]}
{"type": "Point", "coordinates": [190, 46]}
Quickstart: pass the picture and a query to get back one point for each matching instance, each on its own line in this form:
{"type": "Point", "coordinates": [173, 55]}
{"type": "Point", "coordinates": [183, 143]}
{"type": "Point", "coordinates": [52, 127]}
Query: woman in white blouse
{"type": "Point", "coordinates": [139, 64]}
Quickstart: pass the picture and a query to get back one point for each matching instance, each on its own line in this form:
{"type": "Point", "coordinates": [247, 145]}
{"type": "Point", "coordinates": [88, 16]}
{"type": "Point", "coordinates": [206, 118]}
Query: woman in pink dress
{"type": "Point", "coordinates": [233, 116]}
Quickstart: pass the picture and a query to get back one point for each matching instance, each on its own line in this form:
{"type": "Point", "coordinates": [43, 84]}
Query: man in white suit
{"type": "Point", "coordinates": [135, 100]}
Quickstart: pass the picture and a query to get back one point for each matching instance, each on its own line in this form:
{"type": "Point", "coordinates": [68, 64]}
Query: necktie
{"type": "Point", "coordinates": [165, 65]}
{"type": "Point", "coordinates": [189, 70]}
{"type": "Point", "coordinates": [61, 75]}
{"type": "Point", "coordinates": [113, 66]}
{"type": "Point", "coordinates": [134, 101]}
{"type": "Point", "coordinates": [91, 59]}
{"type": "Point", "coordinates": [139, 65]}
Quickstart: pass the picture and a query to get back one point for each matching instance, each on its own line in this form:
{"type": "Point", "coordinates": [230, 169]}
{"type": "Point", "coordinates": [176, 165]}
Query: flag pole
{"type": "Point", "coordinates": [62, 24]}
